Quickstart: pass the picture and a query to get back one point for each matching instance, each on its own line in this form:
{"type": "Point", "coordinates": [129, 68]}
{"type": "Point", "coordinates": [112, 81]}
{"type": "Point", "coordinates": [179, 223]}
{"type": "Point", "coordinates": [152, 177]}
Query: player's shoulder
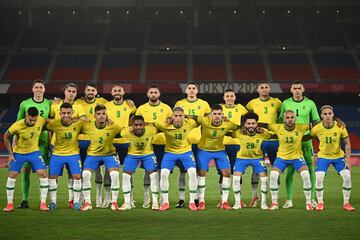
{"type": "Point", "coordinates": [180, 102]}
{"type": "Point", "coordinates": [288, 100]}
{"type": "Point", "coordinates": [275, 100]}
{"type": "Point", "coordinates": [101, 100]}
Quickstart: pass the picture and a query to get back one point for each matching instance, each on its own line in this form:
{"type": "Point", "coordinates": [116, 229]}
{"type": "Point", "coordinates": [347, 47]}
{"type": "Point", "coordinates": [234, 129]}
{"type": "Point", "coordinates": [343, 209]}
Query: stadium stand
{"type": "Point", "coordinates": [208, 33]}
{"type": "Point", "coordinates": [166, 67]}
{"type": "Point", "coordinates": [248, 67]}
{"type": "Point", "coordinates": [126, 34]}
{"type": "Point", "coordinates": [168, 33]}
{"type": "Point", "coordinates": [209, 67]}
{"type": "Point", "coordinates": [83, 34]}
{"type": "Point", "coordinates": [120, 67]}
{"type": "Point", "coordinates": [242, 32]}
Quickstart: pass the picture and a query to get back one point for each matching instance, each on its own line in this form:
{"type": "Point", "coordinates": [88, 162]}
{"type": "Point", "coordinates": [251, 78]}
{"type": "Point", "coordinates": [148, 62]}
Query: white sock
{"type": "Point", "coordinates": [86, 177]}
{"type": "Point", "coordinates": [52, 190]}
{"type": "Point", "coordinates": [182, 185]}
{"type": "Point", "coordinates": [306, 185]}
{"type": "Point", "coordinates": [346, 176]}
{"type": "Point", "coordinates": [264, 188]}
{"type": "Point", "coordinates": [115, 185]}
{"type": "Point", "coordinates": [164, 184]}
{"type": "Point", "coordinates": [319, 186]}
{"type": "Point", "coordinates": [225, 189]}
{"type": "Point", "coordinates": [98, 191]}
{"type": "Point", "coordinates": [193, 183]}
{"type": "Point", "coordinates": [107, 192]}
{"type": "Point", "coordinates": [237, 188]}
{"type": "Point", "coordinates": [154, 187]}
{"type": "Point", "coordinates": [146, 186]}
{"type": "Point", "coordinates": [201, 188]}
{"type": "Point", "coordinates": [70, 189]}
{"type": "Point", "coordinates": [126, 187]}
{"type": "Point", "coordinates": [10, 188]}
{"type": "Point", "coordinates": [274, 186]}
{"type": "Point", "coordinates": [77, 190]}
{"type": "Point", "coordinates": [44, 187]}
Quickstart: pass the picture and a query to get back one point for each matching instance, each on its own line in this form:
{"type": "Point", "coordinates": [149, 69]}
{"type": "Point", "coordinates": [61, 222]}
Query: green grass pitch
{"type": "Point", "coordinates": [213, 223]}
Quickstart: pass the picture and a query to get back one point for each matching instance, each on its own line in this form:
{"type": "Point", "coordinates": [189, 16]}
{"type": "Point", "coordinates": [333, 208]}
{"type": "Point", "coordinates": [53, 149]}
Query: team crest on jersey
{"type": "Point", "coordinates": [147, 139]}
{"type": "Point", "coordinates": [107, 134]}
{"type": "Point", "coordinates": [335, 134]}
{"type": "Point", "coordinates": [303, 107]}
{"type": "Point", "coordinates": [272, 104]}
{"type": "Point", "coordinates": [125, 108]}
{"type": "Point", "coordinates": [199, 107]}
{"type": "Point", "coordinates": [222, 129]}
{"type": "Point", "coordinates": [161, 110]}
{"type": "Point", "coordinates": [236, 110]}
{"type": "Point", "coordinates": [296, 134]}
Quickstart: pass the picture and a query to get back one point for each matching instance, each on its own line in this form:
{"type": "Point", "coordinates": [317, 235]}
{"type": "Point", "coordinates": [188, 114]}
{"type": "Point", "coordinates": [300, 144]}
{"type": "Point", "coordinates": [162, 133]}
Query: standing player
{"type": "Point", "coordinates": [233, 112]}
{"type": "Point", "coordinates": [177, 148]}
{"type": "Point", "coordinates": [193, 106]}
{"type": "Point", "coordinates": [26, 149]}
{"type": "Point", "coordinates": [101, 151]}
{"type": "Point", "coordinates": [154, 111]}
{"type": "Point", "coordinates": [70, 92]}
{"type": "Point", "coordinates": [120, 111]}
{"type": "Point", "coordinates": [306, 112]}
{"type": "Point", "coordinates": [65, 152]}
{"type": "Point", "coordinates": [43, 105]}
{"type": "Point", "coordinates": [268, 109]}
{"type": "Point", "coordinates": [88, 103]}
{"type": "Point", "coordinates": [250, 154]}
{"type": "Point", "coordinates": [140, 150]}
{"type": "Point", "coordinates": [213, 130]}
{"type": "Point", "coordinates": [330, 137]}
{"type": "Point", "coordinates": [290, 154]}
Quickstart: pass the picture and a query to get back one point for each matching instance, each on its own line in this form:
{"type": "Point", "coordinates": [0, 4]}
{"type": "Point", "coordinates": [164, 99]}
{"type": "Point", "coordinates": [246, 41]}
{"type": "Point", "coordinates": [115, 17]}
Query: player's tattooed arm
{"type": "Point", "coordinates": [347, 151]}
{"type": "Point", "coordinates": [7, 144]}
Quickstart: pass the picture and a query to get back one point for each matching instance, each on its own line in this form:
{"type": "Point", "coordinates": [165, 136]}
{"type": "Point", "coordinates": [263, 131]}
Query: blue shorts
{"type": "Point", "coordinates": [187, 160]}
{"type": "Point", "coordinates": [34, 159]}
{"type": "Point", "coordinates": [270, 147]}
{"type": "Point", "coordinates": [93, 162]}
{"type": "Point", "coordinates": [132, 162]}
{"type": "Point", "coordinates": [194, 149]}
{"type": "Point", "coordinates": [323, 164]}
{"type": "Point", "coordinates": [204, 158]}
{"type": "Point", "coordinates": [122, 151]}
{"type": "Point", "coordinates": [83, 145]}
{"type": "Point", "coordinates": [258, 165]}
{"type": "Point", "coordinates": [72, 162]}
{"type": "Point", "coordinates": [281, 164]}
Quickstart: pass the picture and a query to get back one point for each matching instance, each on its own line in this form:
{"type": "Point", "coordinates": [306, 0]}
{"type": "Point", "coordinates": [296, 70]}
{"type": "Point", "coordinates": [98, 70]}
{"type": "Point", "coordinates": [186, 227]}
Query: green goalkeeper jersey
{"type": "Point", "coordinates": [44, 111]}
{"type": "Point", "coordinates": [305, 110]}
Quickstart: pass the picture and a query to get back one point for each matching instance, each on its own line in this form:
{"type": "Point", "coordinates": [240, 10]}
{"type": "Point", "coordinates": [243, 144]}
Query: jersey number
{"type": "Point", "coordinates": [41, 113]}
{"type": "Point", "coordinates": [229, 114]}
{"type": "Point", "coordinates": [289, 140]}
{"type": "Point", "coordinates": [118, 114]}
{"type": "Point", "coordinates": [154, 116]}
{"type": "Point", "coordinates": [68, 135]}
{"type": "Point", "coordinates": [32, 134]}
{"type": "Point", "coordinates": [178, 136]}
{"type": "Point", "coordinates": [250, 146]}
{"type": "Point", "coordinates": [265, 110]}
{"type": "Point", "coordinates": [101, 140]}
{"type": "Point", "coordinates": [328, 140]}
{"type": "Point", "coordinates": [192, 112]}
{"type": "Point", "coordinates": [214, 133]}
{"type": "Point", "coordinates": [297, 112]}
{"type": "Point", "coordinates": [140, 145]}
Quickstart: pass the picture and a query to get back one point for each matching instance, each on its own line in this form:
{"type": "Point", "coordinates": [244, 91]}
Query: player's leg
{"type": "Point", "coordinates": [112, 165]}
{"type": "Point", "coordinates": [289, 182]}
{"type": "Point", "coordinates": [107, 186]}
{"type": "Point", "coordinates": [83, 146]}
{"type": "Point", "coordinates": [167, 166]}
{"type": "Point", "coordinates": [25, 180]}
{"type": "Point", "coordinates": [130, 164]}
{"type": "Point", "coordinates": [308, 152]}
{"type": "Point", "coordinates": [182, 185]}
{"type": "Point", "coordinates": [55, 170]}
{"type": "Point", "coordinates": [260, 169]}
{"type": "Point", "coordinates": [231, 151]}
{"type": "Point", "coordinates": [239, 168]}
{"type": "Point", "coordinates": [340, 166]}
{"type": "Point", "coordinates": [99, 184]}
{"type": "Point", "coordinates": [223, 164]}
{"type": "Point", "coordinates": [254, 189]}
{"type": "Point", "coordinates": [74, 166]}
{"type": "Point", "coordinates": [278, 167]}
{"type": "Point", "coordinates": [150, 164]}
{"type": "Point", "coordinates": [321, 168]}
{"type": "Point", "coordinates": [301, 167]}
{"type": "Point", "coordinates": [90, 164]}
{"type": "Point", "coordinates": [203, 158]}
{"type": "Point", "coordinates": [188, 161]}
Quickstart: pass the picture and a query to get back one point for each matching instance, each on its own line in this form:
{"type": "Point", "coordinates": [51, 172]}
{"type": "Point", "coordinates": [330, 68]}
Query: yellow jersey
{"type": "Point", "coordinates": [101, 139]}
{"type": "Point", "coordinates": [330, 140]}
{"type": "Point", "coordinates": [199, 108]}
{"type": "Point", "coordinates": [27, 138]}
{"type": "Point", "coordinates": [177, 140]}
{"type": "Point", "coordinates": [89, 109]}
{"type": "Point", "coordinates": [289, 141]}
{"type": "Point", "coordinates": [140, 145]}
{"type": "Point", "coordinates": [120, 114]}
{"type": "Point", "coordinates": [155, 113]}
{"type": "Point", "coordinates": [250, 144]}
{"type": "Point", "coordinates": [234, 115]}
{"type": "Point", "coordinates": [212, 137]}
{"type": "Point", "coordinates": [267, 110]}
{"type": "Point", "coordinates": [66, 141]}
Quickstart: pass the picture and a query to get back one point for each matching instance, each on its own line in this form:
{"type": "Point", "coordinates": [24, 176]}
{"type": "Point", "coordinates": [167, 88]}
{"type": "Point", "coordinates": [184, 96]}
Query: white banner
{"type": "Point", "coordinates": [219, 88]}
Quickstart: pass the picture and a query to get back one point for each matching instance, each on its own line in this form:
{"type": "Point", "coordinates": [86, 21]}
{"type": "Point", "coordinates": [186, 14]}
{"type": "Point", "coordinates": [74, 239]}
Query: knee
{"type": "Point", "coordinates": [42, 173]}
{"type": "Point", "coordinates": [86, 175]}
{"type": "Point", "coordinates": [165, 173]}
{"type": "Point", "coordinates": [191, 171]}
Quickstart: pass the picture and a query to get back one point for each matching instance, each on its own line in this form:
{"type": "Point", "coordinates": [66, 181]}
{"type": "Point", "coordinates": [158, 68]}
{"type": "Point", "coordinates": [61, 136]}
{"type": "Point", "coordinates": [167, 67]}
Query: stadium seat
{"type": "Point", "coordinates": [120, 67]}
{"type": "Point", "coordinates": [166, 68]}
{"type": "Point", "coordinates": [209, 67]}
{"type": "Point", "coordinates": [248, 67]}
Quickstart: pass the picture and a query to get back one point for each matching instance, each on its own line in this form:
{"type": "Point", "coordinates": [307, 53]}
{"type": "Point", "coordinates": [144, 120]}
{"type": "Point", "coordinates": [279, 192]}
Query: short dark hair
{"type": "Point", "coordinates": [138, 117]}
{"type": "Point", "coordinates": [192, 83]}
{"type": "Point", "coordinates": [38, 81]}
{"type": "Point", "coordinates": [33, 111]}
{"type": "Point", "coordinates": [262, 82]}
{"type": "Point", "coordinates": [216, 107]}
{"type": "Point", "coordinates": [296, 83]}
{"type": "Point", "coordinates": [154, 86]}
{"type": "Point", "coordinates": [66, 105]}
{"type": "Point", "coordinates": [70, 85]}
{"type": "Point", "coordinates": [99, 107]}
{"type": "Point", "coordinates": [177, 108]}
{"type": "Point", "coordinates": [250, 115]}
{"type": "Point", "coordinates": [91, 85]}
{"type": "Point", "coordinates": [229, 90]}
